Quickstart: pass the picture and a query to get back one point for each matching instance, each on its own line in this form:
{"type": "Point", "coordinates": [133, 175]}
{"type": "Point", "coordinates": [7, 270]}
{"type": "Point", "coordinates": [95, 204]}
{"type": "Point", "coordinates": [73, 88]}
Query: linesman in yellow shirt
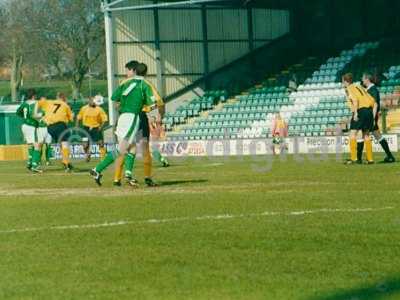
{"type": "Point", "coordinates": [93, 119]}
{"type": "Point", "coordinates": [363, 108]}
{"type": "Point", "coordinates": [58, 115]}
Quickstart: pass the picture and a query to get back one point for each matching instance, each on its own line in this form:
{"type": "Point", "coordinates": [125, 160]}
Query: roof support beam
{"type": "Point", "coordinates": [158, 5]}
{"type": "Point", "coordinates": [159, 69]}
{"type": "Point", "coordinates": [110, 65]}
{"type": "Point", "coordinates": [113, 3]}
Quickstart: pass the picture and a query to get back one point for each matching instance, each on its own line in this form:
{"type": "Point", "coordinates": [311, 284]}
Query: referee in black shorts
{"type": "Point", "coordinates": [374, 92]}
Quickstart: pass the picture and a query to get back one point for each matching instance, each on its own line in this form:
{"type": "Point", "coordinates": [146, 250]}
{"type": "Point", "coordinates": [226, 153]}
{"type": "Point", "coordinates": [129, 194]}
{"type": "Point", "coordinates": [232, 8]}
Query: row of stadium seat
{"type": "Point", "coordinates": [328, 72]}
{"type": "Point", "coordinates": [194, 108]}
{"type": "Point", "coordinates": [319, 97]}
{"type": "Point", "coordinates": [280, 81]}
{"type": "Point", "coordinates": [388, 87]}
{"type": "Point", "coordinates": [315, 109]}
{"type": "Point", "coordinates": [393, 72]}
{"type": "Point", "coordinates": [317, 120]}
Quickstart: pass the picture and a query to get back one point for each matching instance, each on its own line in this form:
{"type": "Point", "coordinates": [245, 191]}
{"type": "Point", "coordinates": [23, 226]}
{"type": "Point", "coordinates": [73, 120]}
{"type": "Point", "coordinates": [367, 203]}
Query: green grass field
{"type": "Point", "coordinates": [214, 229]}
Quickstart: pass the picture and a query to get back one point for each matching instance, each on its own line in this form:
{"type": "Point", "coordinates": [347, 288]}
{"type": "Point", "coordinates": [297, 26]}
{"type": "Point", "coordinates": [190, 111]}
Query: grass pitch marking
{"type": "Point", "coordinates": [200, 218]}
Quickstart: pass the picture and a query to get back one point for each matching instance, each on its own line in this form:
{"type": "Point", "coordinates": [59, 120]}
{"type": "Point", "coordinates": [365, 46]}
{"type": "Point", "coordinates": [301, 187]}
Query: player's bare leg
{"type": "Point", "coordinates": [86, 149]}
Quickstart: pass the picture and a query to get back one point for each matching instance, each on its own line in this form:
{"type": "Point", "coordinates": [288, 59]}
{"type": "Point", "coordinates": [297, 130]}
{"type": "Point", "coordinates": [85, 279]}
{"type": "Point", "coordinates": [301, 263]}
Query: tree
{"type": "Point", "coordinates": [72, 37]}
{"type": "Point", "coordinates": [14, 34]}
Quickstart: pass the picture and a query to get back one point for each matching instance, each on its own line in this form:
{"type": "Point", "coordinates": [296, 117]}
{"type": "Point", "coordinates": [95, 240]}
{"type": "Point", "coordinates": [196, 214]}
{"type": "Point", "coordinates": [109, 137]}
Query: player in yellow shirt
{"type": "Point", "coordinates": [93, 119]}
{"type": "Point", "coordinates": [45, 108]}
{"type": "Point", "coordinates": [363, 108]}
{"type": "Point", "coordinates": [58, 115]}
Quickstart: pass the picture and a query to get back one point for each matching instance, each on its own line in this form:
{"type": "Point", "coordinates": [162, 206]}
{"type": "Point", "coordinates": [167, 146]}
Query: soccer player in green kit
{"type": "Point", "coordinates": [34, 130]}
{"type": "Point", "coordinates": [132, 94]}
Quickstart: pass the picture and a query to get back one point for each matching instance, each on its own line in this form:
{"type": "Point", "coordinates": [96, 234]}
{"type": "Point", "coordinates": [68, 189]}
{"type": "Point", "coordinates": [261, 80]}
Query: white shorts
{"type": "Point", "coordinates": [127, 127]}
{"type": "Point", "coordinates": [29, 133]}
{"type": "Point", "coordinates": [44, 136]}
{"type": "Point", "coordinates": [35, 135]}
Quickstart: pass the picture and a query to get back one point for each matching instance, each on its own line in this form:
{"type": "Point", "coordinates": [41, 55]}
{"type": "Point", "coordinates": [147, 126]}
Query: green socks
{"type": "Point", "coordinates": [30, 155]}
{"type": "Point", "coordinates": [108, 160]}
{"type": "Point", "coordinates": [48, 152]}
{"type": "Point", "coordinates": [36, 158]}
{"type": "Point", "coordinates": [157, 155]}
{"type": "Point", "coordinates": [129, 163]}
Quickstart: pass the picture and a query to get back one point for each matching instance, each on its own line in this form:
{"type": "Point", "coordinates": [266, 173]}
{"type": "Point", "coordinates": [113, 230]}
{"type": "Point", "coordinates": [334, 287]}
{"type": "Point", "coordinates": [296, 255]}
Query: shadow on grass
{"type": "Point", "coordinates": [386, 289]}
{"type": "Point", "coordinates": [179, 182]}
{"type": "Point", "coordinates": [81, 170]}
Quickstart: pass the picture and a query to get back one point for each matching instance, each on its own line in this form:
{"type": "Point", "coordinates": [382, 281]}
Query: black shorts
{"type": "Point", "coordinates": [353, 124]}
{"type": "Point", "coordinates": [59, 132]}
{"type": "Point", "coordinates": [95, 134]}
{"type": "Point", "coordinates": [365, 119]}
{"type": "Point", "coordinates": [144, 129]}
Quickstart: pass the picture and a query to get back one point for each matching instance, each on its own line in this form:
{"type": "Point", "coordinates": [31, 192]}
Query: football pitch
{"type": "Point", "coordinates": [237, 228]}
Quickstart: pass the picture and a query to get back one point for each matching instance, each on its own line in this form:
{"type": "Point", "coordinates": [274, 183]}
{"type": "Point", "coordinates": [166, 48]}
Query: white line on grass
{"type": "Point", "coordinates": [200, 218]}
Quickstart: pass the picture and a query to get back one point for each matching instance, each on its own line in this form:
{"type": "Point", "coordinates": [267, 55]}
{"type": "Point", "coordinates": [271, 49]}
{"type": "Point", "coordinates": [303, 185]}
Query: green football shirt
{"type": "Point", "coordinates": [27, 111]}
{"type": "Point", "coordinates": [133, 94]}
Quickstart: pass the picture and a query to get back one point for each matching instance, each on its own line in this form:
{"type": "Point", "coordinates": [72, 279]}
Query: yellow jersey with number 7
{"type": "Point", "coordinates": [56, 111]}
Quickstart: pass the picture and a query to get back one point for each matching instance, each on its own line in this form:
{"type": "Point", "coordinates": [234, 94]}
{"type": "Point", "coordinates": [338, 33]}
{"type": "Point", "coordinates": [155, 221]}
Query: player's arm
{"type": "Point", "coordinates": [116, 97]}
{"type": "Point", "coordinates": [79, 117]}
{"type": "Point", "coordinates": [159, 101]}
{"type": "Point", "coordinates": [149, 98]}
{"type": "Point", "coordinates": [42, 104]}
{"type": "Point", "coordinates": [352, 94]}
{"type": "Point", "coordinates": [355, 108]}
{"type": "Point", "coordinates": [70, 114]}
{"type": "Point", "coordinates": [20, 111]}
{"type": "Point", "coordinates": [103, 118]}
{"type": "Point", "coordinates": [37, 114]}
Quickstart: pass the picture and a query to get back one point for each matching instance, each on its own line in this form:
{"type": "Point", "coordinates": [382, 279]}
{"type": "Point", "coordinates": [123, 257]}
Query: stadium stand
{"type": "Point", "coordinates": [194, 107]}
{"type": "Point", "coordinates": [237, 114]}
{"type": "Point", "coordinates": [315, 109]}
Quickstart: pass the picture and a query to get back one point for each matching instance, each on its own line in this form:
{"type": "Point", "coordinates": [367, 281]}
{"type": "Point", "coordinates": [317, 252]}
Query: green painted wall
{"type": "Point", "coordinates": [10, 129]}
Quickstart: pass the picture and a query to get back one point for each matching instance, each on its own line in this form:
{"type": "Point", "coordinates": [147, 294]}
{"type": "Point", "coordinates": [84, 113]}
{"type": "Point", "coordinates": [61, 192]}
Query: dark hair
{"type": "Point", "coordinates": [348, 77]}
{"type": "Point", "coordinates": [141, 69]}
{"type": "Point", "coordinates": [132, 65]}
{"type": "Point", "coordinates": [368, 75]}
{"type": "Point", "coordinates": [61, 95]}
{"type": "Point", "coordinates": [30, 93]}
